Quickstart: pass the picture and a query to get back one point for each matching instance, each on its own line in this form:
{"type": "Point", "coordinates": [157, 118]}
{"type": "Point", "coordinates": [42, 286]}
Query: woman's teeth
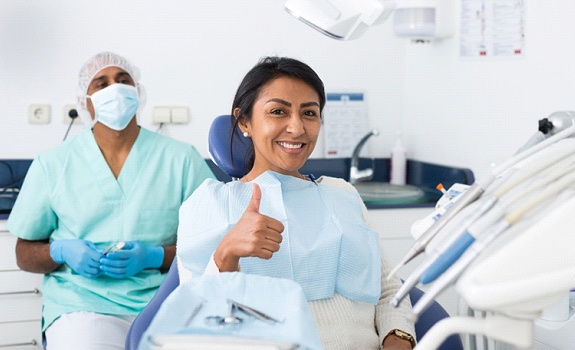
{"type": "Point", "coordinates": [290, 145]}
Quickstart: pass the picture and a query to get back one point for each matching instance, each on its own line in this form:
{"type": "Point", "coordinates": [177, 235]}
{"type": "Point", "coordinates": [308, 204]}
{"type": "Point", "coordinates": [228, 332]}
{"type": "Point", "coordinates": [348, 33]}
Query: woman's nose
{"type": "Point", "coordinates": [295, 125]}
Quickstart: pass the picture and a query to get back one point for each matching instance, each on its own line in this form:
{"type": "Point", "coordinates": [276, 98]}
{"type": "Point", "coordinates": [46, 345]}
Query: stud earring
{"type": "Point", "coordinates": [246, 134]}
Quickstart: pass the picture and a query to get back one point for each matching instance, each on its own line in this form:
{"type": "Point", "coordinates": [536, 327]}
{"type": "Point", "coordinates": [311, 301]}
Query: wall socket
{"type": "Point", "coordinates": [66, 115]}
{"type": "Point", "coordinates": [39, 114]}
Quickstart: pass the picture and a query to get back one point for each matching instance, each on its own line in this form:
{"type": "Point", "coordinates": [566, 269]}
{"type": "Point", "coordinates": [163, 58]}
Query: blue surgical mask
{"type": "Point", "coordinates": [115, 105]}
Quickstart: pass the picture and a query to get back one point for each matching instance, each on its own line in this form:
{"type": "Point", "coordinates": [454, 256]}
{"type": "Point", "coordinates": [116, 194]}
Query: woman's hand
{"type": "Point", "coordinates": [392, 342]}
{"type": "Point", "coordinates": [254, 235]}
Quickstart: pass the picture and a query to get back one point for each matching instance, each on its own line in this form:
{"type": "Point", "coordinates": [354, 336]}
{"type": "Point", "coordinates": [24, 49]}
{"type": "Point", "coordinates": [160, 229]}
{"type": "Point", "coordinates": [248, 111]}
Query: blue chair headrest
{"type": "Point", "coordinates": [219, 139]}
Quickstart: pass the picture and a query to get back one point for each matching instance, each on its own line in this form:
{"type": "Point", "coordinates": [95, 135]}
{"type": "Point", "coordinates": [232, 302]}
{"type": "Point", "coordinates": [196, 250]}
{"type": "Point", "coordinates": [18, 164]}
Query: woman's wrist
{"type": "Point", "coordinates": [398, 339]}
{"type": "Point", "coordinates": [225, 262]}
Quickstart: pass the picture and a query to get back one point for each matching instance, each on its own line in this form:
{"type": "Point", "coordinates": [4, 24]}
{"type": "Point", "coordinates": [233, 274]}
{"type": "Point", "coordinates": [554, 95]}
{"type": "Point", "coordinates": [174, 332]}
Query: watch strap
{"type": "Point", "coordinates": [402, 335]}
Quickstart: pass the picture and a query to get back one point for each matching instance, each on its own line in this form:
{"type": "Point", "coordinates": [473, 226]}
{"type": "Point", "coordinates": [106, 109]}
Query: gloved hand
{"type": "Point", "coordinates": [133, 258]}
{"type": "Point", "coordinates": [82, 256]}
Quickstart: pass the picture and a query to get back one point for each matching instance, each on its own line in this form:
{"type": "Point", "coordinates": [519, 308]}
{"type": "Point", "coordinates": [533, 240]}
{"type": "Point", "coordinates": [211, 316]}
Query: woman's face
{"type": "Point", "coordinates": [105, 78]}
{"type": "Point", "coordinates": [284, 126]}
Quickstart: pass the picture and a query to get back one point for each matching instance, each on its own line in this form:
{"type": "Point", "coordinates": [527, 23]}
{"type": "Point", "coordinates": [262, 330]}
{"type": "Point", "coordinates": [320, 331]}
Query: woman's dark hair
{"type": "Point", "coordinates": [266, 70]}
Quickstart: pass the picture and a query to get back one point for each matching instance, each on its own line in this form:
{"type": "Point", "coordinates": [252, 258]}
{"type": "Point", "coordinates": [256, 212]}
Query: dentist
{"type": "Point", "coordinates": [114, 182]}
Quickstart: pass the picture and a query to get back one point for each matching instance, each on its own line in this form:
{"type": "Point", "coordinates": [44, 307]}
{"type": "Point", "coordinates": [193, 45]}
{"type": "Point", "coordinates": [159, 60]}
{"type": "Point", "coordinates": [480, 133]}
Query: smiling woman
{"type": "Point", "coordinates": [284, 126]}
{"type": "Point", "coordinates": [278, 223]}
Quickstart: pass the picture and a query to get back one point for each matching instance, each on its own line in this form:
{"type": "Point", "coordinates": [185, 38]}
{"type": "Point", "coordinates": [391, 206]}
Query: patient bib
{"type": "Point", "coordinates": [327, 247]}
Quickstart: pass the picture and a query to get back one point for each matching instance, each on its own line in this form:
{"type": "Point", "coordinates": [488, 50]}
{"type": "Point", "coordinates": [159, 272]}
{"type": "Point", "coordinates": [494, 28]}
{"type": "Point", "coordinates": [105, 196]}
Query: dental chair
{"type": "Point", "coordinates": [220, 152]}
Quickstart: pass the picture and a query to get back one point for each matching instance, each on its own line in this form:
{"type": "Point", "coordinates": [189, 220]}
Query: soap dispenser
{"type": "Point", "coordinates": [398, 163]}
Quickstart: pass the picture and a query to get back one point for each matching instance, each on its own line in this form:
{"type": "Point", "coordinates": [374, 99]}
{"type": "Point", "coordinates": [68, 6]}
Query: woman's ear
{"type": "Point", "coordinates": [241, 120]}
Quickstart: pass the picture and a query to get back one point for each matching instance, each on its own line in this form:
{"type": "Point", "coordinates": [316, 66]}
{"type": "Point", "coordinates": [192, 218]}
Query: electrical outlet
{"type": "Point", "coordinates": [39, 114]}
{"type": "Point", "coordinates": [66, 115]}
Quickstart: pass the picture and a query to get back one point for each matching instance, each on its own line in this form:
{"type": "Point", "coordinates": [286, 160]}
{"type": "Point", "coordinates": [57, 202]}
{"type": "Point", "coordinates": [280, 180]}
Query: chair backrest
{"type": "Point", "coordinates": [220, 145]}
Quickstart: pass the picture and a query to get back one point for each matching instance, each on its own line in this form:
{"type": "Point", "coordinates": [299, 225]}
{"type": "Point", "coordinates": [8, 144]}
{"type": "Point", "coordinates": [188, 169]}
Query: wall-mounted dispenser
{"type": "Point", "coordinates": [424, 20]}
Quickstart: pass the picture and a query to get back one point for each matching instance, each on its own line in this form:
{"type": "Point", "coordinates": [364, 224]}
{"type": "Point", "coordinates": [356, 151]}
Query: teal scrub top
{"type": "Point", "coordinates": [70, 193]}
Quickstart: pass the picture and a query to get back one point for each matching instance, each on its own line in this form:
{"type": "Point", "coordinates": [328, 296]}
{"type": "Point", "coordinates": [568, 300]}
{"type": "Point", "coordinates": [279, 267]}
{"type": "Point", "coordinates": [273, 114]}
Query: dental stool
{"type": "Point", "coordinates": [220, 152]}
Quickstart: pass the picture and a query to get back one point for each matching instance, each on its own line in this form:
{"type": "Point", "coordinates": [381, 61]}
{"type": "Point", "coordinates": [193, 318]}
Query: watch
{"type": "Point", "coordinates": [402, 335]}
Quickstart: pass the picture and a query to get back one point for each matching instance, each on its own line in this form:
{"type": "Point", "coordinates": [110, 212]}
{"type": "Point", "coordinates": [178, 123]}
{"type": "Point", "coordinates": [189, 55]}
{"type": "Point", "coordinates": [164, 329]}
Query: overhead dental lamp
{"type": "Point", "coordinates": [341, 19]}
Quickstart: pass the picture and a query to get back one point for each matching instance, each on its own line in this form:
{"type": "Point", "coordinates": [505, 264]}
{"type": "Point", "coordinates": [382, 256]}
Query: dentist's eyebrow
{"type": "Point", "coordinates": [101, 77]}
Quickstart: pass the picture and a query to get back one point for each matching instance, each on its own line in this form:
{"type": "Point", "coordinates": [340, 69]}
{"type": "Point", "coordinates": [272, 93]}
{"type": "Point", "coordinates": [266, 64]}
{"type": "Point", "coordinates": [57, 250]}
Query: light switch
{"type": "Point", "coordinates": [180, 115]}
{"type": "Point", "coordinates": [161, 115]}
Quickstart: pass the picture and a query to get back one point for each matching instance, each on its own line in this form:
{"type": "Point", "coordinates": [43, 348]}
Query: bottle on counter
{"type": "Point", "coordinates": [398, 163]}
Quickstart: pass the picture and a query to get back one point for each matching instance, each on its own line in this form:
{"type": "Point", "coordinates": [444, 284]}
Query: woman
{"type": "Point", "coordinates": [114, 182]}
{"type": "Point", "coordinates": [278, 222]}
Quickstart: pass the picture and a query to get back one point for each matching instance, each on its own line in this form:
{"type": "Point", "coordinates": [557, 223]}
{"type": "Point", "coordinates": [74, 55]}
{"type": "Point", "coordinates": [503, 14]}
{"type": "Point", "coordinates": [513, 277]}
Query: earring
{"type": "Point", "coordinates": [246, 134]}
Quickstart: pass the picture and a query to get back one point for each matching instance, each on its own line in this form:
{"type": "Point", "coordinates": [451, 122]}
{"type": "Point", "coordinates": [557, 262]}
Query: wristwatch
{"type": "Point", "coordinates": [402, 335]}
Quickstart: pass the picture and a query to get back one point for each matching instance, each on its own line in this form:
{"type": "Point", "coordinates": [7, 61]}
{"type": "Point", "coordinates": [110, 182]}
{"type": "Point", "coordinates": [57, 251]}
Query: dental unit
{"type": "Point", "coordinates": [450, 271]}
{"type": "Point", "coordinates": [566, 121]}
{"type": "Point", "coordinates": [486, 242]}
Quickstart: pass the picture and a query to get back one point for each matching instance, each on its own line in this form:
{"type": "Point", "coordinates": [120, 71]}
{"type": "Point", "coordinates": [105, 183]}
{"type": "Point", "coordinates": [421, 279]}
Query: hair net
{"type": "Point", "coordinates": [92, 67]}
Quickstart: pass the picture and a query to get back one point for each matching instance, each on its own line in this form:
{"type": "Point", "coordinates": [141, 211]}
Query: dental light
{"type": "Point", "coordinates": [341, 19]}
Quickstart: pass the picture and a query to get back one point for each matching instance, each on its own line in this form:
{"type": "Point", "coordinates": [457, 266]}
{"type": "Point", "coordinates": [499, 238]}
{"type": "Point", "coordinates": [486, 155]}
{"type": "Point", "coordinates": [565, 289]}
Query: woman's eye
{"type": "Point", "coordinates": [311, 114]}
{"type": "Point", "coordinates": [277, 112]}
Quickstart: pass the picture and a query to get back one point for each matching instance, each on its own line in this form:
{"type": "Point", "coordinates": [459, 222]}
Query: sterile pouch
{"type": "Point", "coordinates": [201, 311]}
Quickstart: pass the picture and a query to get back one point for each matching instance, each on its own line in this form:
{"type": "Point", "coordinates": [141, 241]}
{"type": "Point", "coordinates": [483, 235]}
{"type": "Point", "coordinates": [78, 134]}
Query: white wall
{"type": "Point", "coordinates": [473, 113]}
{"type": "Point", "coordinates": [194, 53]}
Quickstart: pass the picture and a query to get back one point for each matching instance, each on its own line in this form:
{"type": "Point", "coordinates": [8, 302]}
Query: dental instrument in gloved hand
{"type": "Point", "coordinates": [114, 248]}
{"type": "Point", "coordinates": [82, 256]}
{"type": "Point", "coordinates": [133, 258]}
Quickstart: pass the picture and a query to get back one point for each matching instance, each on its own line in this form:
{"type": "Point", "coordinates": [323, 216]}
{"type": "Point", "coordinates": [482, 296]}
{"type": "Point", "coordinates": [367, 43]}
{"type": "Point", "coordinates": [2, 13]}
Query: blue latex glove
{"type": "Point", "coordinates": [82, 256]}
{"type": "Point", "coordinates": [133, 258]}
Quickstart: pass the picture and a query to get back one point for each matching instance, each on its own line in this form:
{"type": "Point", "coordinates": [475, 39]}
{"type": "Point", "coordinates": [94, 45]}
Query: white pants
{"type": "Point", "coordinates": [88, 331]}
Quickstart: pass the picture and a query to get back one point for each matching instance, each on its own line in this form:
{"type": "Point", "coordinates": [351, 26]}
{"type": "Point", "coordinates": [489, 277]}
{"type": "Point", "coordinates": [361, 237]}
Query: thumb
{"type": "Point", "coordinates": [254, 204]}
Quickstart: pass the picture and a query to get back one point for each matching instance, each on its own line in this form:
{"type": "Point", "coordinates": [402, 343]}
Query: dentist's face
{"type": "Point", "coordinates": [284, 126]}
{"type": "Point", "coordinates": [105, 78]}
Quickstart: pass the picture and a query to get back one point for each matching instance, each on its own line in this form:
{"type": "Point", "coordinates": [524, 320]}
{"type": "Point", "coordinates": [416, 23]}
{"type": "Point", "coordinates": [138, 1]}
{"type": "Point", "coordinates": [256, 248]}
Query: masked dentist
{"type": "Point", "coordinates": [115, 182]}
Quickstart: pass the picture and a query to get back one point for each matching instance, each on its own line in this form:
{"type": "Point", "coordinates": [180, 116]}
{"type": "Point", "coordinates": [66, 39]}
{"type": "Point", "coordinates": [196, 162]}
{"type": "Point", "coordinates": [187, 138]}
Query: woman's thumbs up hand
{"type": "Point", "coordinates": [254, 235]}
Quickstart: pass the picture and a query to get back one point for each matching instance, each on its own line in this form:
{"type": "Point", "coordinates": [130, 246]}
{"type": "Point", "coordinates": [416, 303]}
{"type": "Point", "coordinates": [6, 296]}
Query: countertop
{"type": "Point", "coordinates": [425, 176]}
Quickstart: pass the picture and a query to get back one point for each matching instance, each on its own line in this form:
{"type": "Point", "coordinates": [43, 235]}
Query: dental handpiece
{"type": "Point", "coordinates": [433, 254]}
{"type": "Point", "coordinates": [451, 254]}
{"type": "Point", "coordinates": [469, 196]}
{"type": "Point", "coordinates": [455, 270]}
{"type": "Point", "coordinates": [474, 192]}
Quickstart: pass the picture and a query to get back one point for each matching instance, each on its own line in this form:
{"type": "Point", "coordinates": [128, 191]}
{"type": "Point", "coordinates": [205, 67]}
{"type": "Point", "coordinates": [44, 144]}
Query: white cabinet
{"type": "Point", "coordinates": [394, 228]}
{"type": "Point", "coordinates": [20, 299]}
